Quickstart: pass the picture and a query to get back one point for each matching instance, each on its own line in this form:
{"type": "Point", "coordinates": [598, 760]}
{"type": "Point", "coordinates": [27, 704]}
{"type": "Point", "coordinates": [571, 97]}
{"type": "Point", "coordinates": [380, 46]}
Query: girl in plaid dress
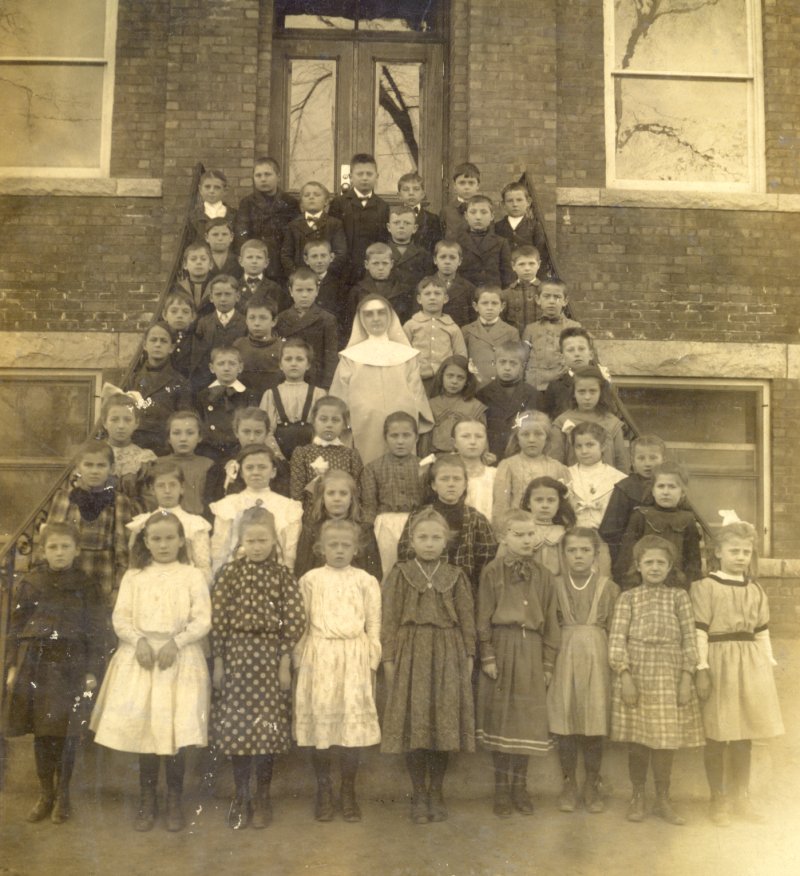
{"type": "Point", "coordinates": [257, 618]}
{"type": "Point", "coordinates": [473, 543]}
{"type": "Point", "coordinates": [100, 512]}
{"type": "Point", "coordinates": [653, 654]}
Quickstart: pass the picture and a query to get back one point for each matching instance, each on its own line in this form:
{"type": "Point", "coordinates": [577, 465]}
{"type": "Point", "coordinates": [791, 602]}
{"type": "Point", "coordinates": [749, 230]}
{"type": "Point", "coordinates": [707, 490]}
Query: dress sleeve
{"type": "Point", "coordinates": [340, 385]}
{"type": "Point", "coordinates": [487, 602]}
{"type": "Point", "coordinates": [763, 609]}
{"type": "Point", "coordinates": [459, 345]}
{"type": "Point", "coordinates": [21, 613]}
{"type": "Point", "coordinates": [414, 382]}
{"type": "Point", "coordinates": [404, 544]}
{"type": "Point", "coordinates": [290, 534]}
{"type": "Point", "coordinates": [372, 619]}
{"type": "Point", "coordinates": [198, 624]}
{"type": "Point", "coordinates": [686, 621]}
{"type": "Point", "coordinates": [618, 657]}
{"type": "Point", "coordinates": [369, 494]}
{"type": "Point", "coordinates": [623, 570]}
{"type": "Point", "coordinates": [615, 519]}
{"type": "Point", "coordinates": [692, 563]}
{"type": "Point", "coordinates": [220, 613]}
{"type": "Point", "coordinates": [297, 474]}
{"type": "Point", "coordinates": [122, 616]}
{"type": "Point", "coordinates": [485, 543]}
{"type": "Point", "coordinates": [201, 552]}
{"type": "Point", "coordinates": [293, 614]}
{"type": "Point", "coordinates": [622, 455]}
{"type": "Point", "coordinates": [702, 603]}
{"type": "Point", "coordinates": [221, 544]}
{"type": "Point", "coordinates": [501, 491]}
{"type": "Point", "coordinates": [557, 448]}
{"type": "Point", "coordinates": [391, 616]}
{"type": "Point", "coordinates": [551, 640]}
{"type": "Point", "coordinates": [465, 611]}
{"type": "Point", "coordinates": [123, 514]}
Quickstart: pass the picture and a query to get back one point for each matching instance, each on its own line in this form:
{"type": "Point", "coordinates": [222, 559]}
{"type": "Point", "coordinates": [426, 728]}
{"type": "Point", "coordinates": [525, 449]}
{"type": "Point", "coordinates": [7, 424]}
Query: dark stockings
{"type": "Point", "coordinates": [349, 759]}
{"type": "Point", "coordinates": [175, 766]}
{"type": "Point", "coordinates": [714, 757]}
{"type": "Point", "coordinates": [424, 764]}
{"type": "Point", "coordinates": [55, 760]}
{"type": "Point", "coordinates": [242, 767]}
{"type": "Point", "coordinates": [640, 757]}
{"type": "Point", "coordinates": [437, 767]}
{"type": "Point", "coordinates": [592, 755]}
{"type": "Point", "coordinates": [417, 768]}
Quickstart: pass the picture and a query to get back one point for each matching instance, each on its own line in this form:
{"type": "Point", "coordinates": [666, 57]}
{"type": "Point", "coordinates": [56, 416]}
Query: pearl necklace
{"type": "Point", "coordinates": [585, 585]}
{"type": "Point", "coordinates": [425, 575]}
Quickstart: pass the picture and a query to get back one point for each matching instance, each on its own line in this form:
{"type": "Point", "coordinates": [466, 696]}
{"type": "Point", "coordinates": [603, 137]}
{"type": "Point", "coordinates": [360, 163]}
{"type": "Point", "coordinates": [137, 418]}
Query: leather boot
{"type": "Point", "coordinates": [719, 810]}
{"type": "Point", "coordinates": [175, 819]}
{"type": "Point", "coordinates": [61, 809]}
{"type": "Point", "coordinates": [568, 798]}
{"type": "Point", "coordinates": [592, 796]}
{"type": "Point", "coordinates": [636, 806]}
{"type": "Point", "coordinates": [323, 808]}
{"type": "Point", "coordinates": [239, 812]}
{"type": "Point", "coordinates": [148, 809]}
{"type": "Point", "coordinates": [419, 807]}
{"type": "Point", "coordinates": [262, 808]}
{"type": "Point", "coordinates": [350, 809]}
{"type": "Point", "coordinates": [519, 786]}
{"type": "Point", "coordinates": [503, 807]}
{"type": "Point", "coordinates": [663, 806]}
{"type": "Point", "coordinates": [43, 806]}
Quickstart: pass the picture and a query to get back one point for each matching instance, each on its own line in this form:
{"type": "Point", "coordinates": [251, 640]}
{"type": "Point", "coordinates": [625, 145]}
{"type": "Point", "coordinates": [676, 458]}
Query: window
{"type": "Point", "coordinates": [57, 86]}
{"type": "Point", "coordinates": [684, 96]}
{"type": "Point", "coordinates": [717, 430]}
{"type": "Point", "coordinates": [386, 16]}
{"type": "Point", "coordinates": [43, 419]}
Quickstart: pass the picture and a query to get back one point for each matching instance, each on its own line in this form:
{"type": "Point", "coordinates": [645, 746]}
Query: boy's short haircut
{"type": "Point", "coordinates": [302, 274]}
{"type": "Point", "coordinates": [118, 400]}
{"type": "Point", "coordinates": [254, 243]}
{"type": "Point", "coordinates": [480, 199]}
{"type": "Point", "coordinates": [412, 177]}
{"type": "Point", "coordinates": [525, 252]}
{"type": "Point", "coordinates": [195, 246]}
{"type": "Point", "coordinates": [184, 414]}
{"type": "Point", "coordinates": [378, 249]}
{"type": "Point", "coordinates": [674, 469]}
{"type": "Point", "coordinates": [178, 296]}
{"type": "Point", "coordinates": [330, 401]}
{"type": "Point", "coordinates": [586, 532]}
{"type": "Point", "coordinates": [95, 447]}
{"type": "Point", "coordinates": [559, 285]}
{"type": "Point", "coordinates": [515, 348]}
{"type": "Point", "coordinates": [267, 159]}
{"type": "Point", "coordinates": [574, 331]}
{"type": "Point", "coordinates": [218, 222]}
{"type": "Point", "coordinates": [363, 158]}
{"type": "Point", "coordinates": [164, 467]}
{"type": "Point", "coordinates": [425, 282]}
{"type": "Point", "coordinates": [214, 174]}
{"type": "Point", "coordinates": [316, 185]}
{"type": "Point", "coordinates": [448, 244]}
{"type": "Point", "coordinates": [58, 527]}
{"type": "Point", "coordinates": [160, 324]}
{"type": "Point", "coordinates": [514, 187]}
{"type": "Point", "coordinates": [516, 515]}
{"type": "Point", "coordinates": [262, 302]}
{"type": "Point", "coordinates": [226, 350]}
{"type": "Point", "coordinates": [222, 279]}
{"type": "Point", "coordinates": [400, 417]}
{"type": "Point", "coordinates": [295, 343]}
{"type": "Point", "coordinates": [253, 413]}
{"type": "Point", "coordinates": [468, 169]}
{"type": "Point", "coordinates": [588, 428]}
{"type": "Point", "coordinates": [401, 210]}
{"type": "Point", "coordinates": [310, 244]}
{"type": "Point", "coordinates": [487, 288]}
{"type": "Point", "coordinates": [654, 543]}
{"type": "Point", "coordinates": [649, 440]}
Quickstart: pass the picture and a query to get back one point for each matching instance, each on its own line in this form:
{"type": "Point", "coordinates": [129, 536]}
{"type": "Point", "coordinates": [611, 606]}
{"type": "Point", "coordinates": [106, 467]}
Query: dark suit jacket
{"type": "Point", "coordinates": [230, 267]}
{"type": "Point", "coordinates": [429, 230]}
{"type": "Point", "coordinates": [319, 330]}
{"type": "Point", "coordinates": [362, 226]}
{"type": "Point", "coordinates": [452, 218]}
{"type": "Point", "coordinates": [209, 333]}
{"type": "Point", "coordinates": [503, 403]}
{"type": "Point", "coordinates": [486, 259]}
{"type": "Point", "coordinates": [217, 405]}
{"type": "Point", "coordinates": [398, 296]}
{"type": "Point", "coordinates": [165, 390]}
{"type": "Point", "coordinates": [527, 233]}
{"type": "Point", "coordinates": [200, 221]}
{"type": "Point", "coordinates": [410, 266]}
{"type": "Point", "coordinates": [558, 395]}
{"type": "Point", "coordinates": [459, 303]}
{"type": "Point", "coordinates": [299, 233]}
{"type": "Point", "coordinates": [265, 289]}
{"type": "Point", "coordinates": [265, 217]}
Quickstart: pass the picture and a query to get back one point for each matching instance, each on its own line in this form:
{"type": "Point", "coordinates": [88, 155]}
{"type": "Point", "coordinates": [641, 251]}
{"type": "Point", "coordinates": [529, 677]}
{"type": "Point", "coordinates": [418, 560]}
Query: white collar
{"type": "Point", "coordinates": [237, 385]}
{"type": "Point", "coordinates": [380, 352]}
{"type": "Point", "coordinates": [514, 221]}
{"type": "Point", "coordinates": [320, 442]}
{"type": "Point", "coordinates": [225, 318]}
{"type": "Point", "coordinates": [215, 211]}
{"type": "Point", "coordinates": [361, 196]}
{"type": "Point", "coordinates": [310, 216]}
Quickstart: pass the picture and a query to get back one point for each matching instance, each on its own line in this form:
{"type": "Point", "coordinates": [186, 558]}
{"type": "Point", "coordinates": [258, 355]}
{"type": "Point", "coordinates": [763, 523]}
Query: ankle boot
{"type": "Point", "coordinates": [239, 812]}
{"type": "Point", "coordinates": [437, 809]}
{"type": "Point", "coordinates": [61, 808]}
{"type": "Point", "coordinates": [419, 807]}
{"type": "Point", "coordinates": [42, 807]}
{"type": "Point", "coordinates": [175, 819]}
{"type": "Point", "coordinates": [592, 796]}
{"type": "Point", "coordinates": [520, 796]}
{"type": "Point", "coordinates": [323, 808]}
{"type": "Point", "coordinates": [568, 798]}
{"type": "Point", "coordinates": [503, 807]}
{"type": "Point", "coordinates": [636, 806]}
{"type": "Point", "coordinates": [262, 808]}
{"type": "Point", "coordinates": [719, 810]}
{"type": "Point", "coordinates": [663, 806]}
{"type": "Point", "coordinates": [148, 809]}
{"type": "Point", "coordinates": [350, 808]}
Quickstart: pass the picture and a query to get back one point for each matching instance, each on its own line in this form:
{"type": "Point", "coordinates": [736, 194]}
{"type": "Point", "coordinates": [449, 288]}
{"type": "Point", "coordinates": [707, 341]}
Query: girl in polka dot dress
{"type": "Point", "coordinates": [258, 617]}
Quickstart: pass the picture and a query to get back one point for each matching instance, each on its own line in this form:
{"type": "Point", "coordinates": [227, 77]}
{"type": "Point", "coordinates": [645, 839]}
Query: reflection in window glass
{"type": "Point", "coordinates": [52, 115]}
{"type": "Point", "coordinates": [397, 114]}
{"type": "Point", "coordinates": [419, 16]}
{"type": "Point", "coordinates": [312, 107]}
{"type": "Point", "coordinates": [52, 28]}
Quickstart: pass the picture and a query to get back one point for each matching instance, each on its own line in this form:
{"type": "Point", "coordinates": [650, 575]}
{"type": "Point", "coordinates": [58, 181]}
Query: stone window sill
{"type": "Point", "coordinates": [594, 197]}
{"type": "Point", "coordinates": [66, 187]}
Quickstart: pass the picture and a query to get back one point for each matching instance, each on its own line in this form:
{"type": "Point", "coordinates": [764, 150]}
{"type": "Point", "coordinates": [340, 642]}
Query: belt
{"type": "Point", "coordinates": [732, 637]}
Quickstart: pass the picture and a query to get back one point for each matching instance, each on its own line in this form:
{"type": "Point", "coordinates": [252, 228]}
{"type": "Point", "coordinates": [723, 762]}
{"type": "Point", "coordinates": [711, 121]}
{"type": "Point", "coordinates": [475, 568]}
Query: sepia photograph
{"type": "Point", "coordinates": [400, 401]}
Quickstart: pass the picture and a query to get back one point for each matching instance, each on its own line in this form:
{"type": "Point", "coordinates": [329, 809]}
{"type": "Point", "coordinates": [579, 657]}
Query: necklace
{"type": "Point", "coordinates": [585, 583]}
{"type": "Point", "coordinates": [425, 575]}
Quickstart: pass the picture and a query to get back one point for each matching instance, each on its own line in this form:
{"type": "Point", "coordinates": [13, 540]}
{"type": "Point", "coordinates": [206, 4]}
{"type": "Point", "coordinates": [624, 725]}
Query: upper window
{"type": "Point", "coordinates": [56, 86]}
{"type": "Point", "coordinates": [385, 16]}
{"type": "Point", "coordinates": [684, 95]}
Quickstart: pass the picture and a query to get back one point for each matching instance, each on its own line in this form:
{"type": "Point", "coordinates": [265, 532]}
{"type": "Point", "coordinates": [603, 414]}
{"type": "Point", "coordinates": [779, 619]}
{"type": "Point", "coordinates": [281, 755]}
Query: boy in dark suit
{"type": "Point", "coordinates": [219, 237]}
{"type": "Point", "coordinates": [379, 281]}
{"type": "Point", "coordinates": [219, 401]}
{"type": "Point", "coordinates": [411, 262]}
{"type": "Point", "coordinates": [363, 214]}
{"type": "Point", "coordinates": [411, 188]}
{"type": "Point", "coordinates": [317, 327]}
{"type": "Point", "coordinates": [254, 259]}
{"type": "Point", "coordinates": [333, 290]}
{"type": "Point", "coordinates": [313, 225]}
{"type": "Point", "coordinates": [486, 258]}
{"type": "Point", "coordinates": [466, 183]}
{"type": "Point", "coordinates": [577, 351]}
{"type": "Point", "coordinates": [260, 348]}
{"type": "Point", "coordinates": [518, 226]}
{"type": "Point", "coordinates": [220, 328]}
{"type": "Point", "coordinates": [460, 292]}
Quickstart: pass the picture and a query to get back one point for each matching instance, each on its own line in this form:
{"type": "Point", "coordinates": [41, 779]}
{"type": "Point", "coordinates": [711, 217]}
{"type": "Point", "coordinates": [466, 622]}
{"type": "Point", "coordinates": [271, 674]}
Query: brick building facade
{"type": "Point", "coordinates": [688, 287]}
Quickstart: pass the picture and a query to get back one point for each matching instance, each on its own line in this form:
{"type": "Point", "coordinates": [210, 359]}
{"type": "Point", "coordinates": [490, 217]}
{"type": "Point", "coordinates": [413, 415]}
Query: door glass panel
{"type": "Point", "coordinates": [312, 109]}
{"type": "Point", "coordinates": [397, 114]}
{"type": "Point", "coordinates": [404, 16]}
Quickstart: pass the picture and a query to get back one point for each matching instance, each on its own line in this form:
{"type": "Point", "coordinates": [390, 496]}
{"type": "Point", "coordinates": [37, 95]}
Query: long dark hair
{"type": "Point", "coordinates": [140, 556]}
{"type": "Point", "coordinates": [470, 387]}
{"type": "Point", "coordinates": [565, 514]}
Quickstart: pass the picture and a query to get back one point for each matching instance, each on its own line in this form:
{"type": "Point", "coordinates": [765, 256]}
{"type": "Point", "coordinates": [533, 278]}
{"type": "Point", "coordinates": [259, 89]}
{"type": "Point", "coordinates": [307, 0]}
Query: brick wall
{"type": "Point", "coordinates": [785, 470]}
{"type": "Point", "coordinates": [781, 31]}
{"type": "Point", "coordinates": [694, 275]}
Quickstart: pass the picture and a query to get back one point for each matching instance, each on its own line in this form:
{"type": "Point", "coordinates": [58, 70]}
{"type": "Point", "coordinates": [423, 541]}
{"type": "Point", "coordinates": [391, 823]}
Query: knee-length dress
{"type": "Point", "coordinates": [744, 701]}
{"type": "Point", "coordinates": [257, 618]}
{"type": "Point", "coordinates": [157, 711]}
{"type": "Point", "coordinates": [55, 639]}
{"type": "Point", "coordinates": [653, 636]}
{"type": "Point", "coordinates": [428, 632]}
{"type": "Point", "coordinates": [579, 696]}
{"type": "Point", "coordinates": [335, 659]}
{"type": "Point", "coordinates": [518, 630]}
